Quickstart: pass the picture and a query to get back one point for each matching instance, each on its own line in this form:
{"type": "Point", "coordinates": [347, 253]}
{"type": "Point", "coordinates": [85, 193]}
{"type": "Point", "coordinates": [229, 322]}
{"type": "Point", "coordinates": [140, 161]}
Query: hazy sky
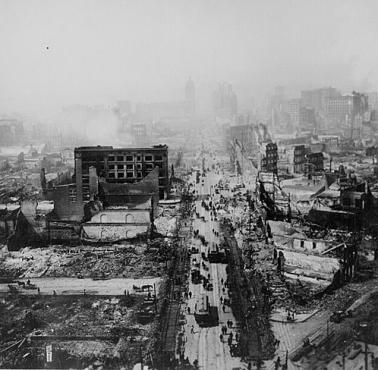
{"type": "Point", "coordinates": [103, 51]}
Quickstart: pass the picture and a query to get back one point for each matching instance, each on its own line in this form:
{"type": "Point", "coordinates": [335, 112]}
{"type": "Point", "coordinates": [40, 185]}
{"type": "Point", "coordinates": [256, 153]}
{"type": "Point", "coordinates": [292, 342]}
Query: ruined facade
{"type": "Point", "coordinates": [299, 158]}
{"type": "Point", "coordinates": [269, 157]}
{"type": "Point", "coordinates": [115, 224]}
{"type": "Point", "coordinates": [120, 166]}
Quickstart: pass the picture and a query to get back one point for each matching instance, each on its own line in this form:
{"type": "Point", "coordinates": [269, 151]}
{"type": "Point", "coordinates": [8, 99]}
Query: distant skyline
{"type": "Point", "coordinates": [57, 53]}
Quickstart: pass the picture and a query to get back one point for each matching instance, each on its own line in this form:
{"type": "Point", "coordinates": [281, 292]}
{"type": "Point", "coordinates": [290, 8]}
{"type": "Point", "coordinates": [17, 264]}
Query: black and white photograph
{"type": "Point", "coordinates": [189, 184]}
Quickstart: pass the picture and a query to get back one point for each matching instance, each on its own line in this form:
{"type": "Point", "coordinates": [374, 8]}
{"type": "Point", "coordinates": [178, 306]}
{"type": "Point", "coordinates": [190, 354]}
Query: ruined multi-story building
{"type": "Point", "coordinates": [122, 177]}
{"type": "Point", "coordinates": [299, 158]}
{"type": "Point", "coordinates": [120, 165]}
{"type": "Point", "coordinates": [269, 158]}
{"type": "Point", "coordinates": [315, 162]}
{"type": "Point", "coordinates": [348, 110]}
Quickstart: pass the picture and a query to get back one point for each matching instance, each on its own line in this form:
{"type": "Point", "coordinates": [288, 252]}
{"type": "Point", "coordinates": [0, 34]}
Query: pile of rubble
{"type": "Point", "coordinates": [134, 261]}
{"type": "Point", "coordinates": [102, 324]}
{"type": "Point", "coordinates": [166, 220]}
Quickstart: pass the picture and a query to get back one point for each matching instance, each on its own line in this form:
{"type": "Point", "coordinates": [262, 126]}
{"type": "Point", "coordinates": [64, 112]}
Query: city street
{"type": "Point", "coordinates": [204, 344]}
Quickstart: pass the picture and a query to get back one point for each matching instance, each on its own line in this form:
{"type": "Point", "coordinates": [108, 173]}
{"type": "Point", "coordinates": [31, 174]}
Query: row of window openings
{"type": "Point", "coordinates": [121, 175]}
{"type": "Point", "coordinates": [129, 175]}
{"type": "Point", "coordinates": [128, 166]}
{"type": "Point", "coordinates": [131, 167]}
{"type": "Point", "coordinates": [130, 158]}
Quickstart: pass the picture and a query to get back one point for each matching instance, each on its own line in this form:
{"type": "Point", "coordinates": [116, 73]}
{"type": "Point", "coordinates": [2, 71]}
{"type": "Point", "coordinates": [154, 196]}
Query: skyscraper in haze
{"type": "Point", "coordinates": [225, 101]}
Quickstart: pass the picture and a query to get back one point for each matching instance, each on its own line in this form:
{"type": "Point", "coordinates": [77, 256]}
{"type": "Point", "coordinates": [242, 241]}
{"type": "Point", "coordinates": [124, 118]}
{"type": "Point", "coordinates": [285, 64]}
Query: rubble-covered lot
{"type": "Point", "coordinates": [128, 261]}
{"type": "Point", "coordinates": [103, 330]}
{"type": "Point", "coordinates": [109, 327]}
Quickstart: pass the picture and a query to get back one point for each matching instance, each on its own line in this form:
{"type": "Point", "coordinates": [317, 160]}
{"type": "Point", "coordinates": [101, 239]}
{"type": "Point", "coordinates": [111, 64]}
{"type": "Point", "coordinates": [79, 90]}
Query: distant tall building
{"type": "Point", "coordinates": [348, 110]}
{"type": "Point", "coordinates": [225, 101]}
{"type": "Point", "coordinates": [292, 107]}
{"type": "Point", "coordinates": [307, 119]}
{"type": "Point", "coordinates": [373, 100]}
{"type": "Point", "coordinates": [318, 98]}
{"type": "Point", "coordinates": [190, 94]}
{"type": "Point", "coordinates": [140, 137]}
{"type": "Point", "coordinates": [301, 117]}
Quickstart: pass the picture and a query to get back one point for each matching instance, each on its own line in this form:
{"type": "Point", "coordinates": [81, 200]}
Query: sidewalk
{"type": "Point", "coordinates": [280, 315]}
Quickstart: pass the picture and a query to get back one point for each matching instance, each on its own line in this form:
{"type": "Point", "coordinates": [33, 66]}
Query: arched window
{"type": "Point", "coordinates": [129, 218]}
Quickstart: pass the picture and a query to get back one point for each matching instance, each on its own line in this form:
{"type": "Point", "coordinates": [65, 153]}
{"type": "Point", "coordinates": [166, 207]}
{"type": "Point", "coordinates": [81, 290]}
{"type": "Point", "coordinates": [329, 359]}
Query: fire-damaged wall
{"type": "Point", "coordinates": [67, 206]}
{"type": "Point", "coordinates": [133, 194]}
{"type": "Point", "coordinates": [124, 216]}
{"type": "Point", "coordinates": [311, 246]}
{"type": "Point", "coordinates": [310, 265]}
{"type": "Point", "coordinates": [30, 225]}
{"type": "Point", "coordinates": [112, 232]}
{"type": "Point", "coordinates": [112, 225]}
